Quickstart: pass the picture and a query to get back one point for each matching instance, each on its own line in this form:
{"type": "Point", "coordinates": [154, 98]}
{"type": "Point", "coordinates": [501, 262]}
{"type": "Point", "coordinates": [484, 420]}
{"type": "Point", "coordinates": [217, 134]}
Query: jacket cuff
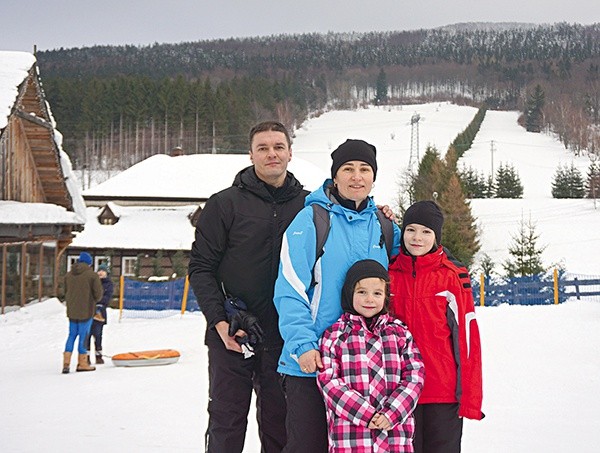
{"type": "Point", "coordinates": [473, 414]}
{"type": "Point", "coordinates": [306, 347]}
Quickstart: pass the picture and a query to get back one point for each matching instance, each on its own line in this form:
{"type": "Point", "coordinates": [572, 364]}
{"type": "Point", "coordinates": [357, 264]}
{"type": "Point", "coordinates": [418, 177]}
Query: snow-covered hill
{"type": "Point", "coordinates": [568, 228]}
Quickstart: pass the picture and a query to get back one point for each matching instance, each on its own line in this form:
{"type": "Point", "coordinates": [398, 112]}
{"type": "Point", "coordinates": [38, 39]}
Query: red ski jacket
{"type": "Point", "coordinates": [432, 296]}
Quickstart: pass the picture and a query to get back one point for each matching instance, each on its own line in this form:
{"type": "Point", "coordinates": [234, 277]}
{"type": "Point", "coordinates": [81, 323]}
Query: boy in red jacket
{"type": "Point", "coordinates": [432, 295]}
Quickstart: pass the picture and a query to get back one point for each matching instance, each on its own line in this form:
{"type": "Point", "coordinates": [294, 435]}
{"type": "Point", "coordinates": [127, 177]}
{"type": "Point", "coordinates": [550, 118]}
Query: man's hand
{"type": "Point", "coordinates": [310, 361]}
{"type": "Point", "coordinates": [387, 212]}
{"type": "Point", "coordinates": [248, 323]}
{"type": "Point", "coordinates": [229, 342]}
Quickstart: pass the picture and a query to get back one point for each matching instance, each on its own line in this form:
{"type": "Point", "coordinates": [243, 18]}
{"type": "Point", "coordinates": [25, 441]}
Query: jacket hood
{"type": "Point", "coordinates": [359, 270]}
{"type": "Point", "coordinates": [79, 268]}
{"type": "Point", "coordinates": [247, 179]}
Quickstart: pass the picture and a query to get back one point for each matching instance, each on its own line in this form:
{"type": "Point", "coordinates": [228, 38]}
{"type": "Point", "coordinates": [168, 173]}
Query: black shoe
{"type": "Point", "coordinates": [65, 370]}
{"type": "Point", "coordinates": [99, 360]}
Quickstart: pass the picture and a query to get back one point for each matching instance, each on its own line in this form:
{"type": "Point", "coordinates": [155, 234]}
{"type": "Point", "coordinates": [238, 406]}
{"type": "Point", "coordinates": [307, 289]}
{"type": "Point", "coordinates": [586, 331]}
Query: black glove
{"type": "Point", "coordinates": [248, 323]}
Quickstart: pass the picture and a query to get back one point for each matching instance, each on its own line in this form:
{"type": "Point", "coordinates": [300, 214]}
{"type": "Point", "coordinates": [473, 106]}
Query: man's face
{"type": "Point", "coordinates": [270, 155]}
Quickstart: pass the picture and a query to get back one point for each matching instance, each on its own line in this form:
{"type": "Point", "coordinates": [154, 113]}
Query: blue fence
{"type": "Point", "coordinates": [537, 289]}
{"type": "Point", "coordinates": [167, 295]}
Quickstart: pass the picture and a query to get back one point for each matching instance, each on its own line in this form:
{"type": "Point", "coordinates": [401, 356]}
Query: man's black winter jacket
{"type": "Point", "coordinates": [237, 243]}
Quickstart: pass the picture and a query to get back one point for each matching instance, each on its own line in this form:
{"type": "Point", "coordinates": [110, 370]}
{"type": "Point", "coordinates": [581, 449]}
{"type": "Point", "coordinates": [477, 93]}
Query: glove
{"type": "Point", "coordinates": [247, 322]}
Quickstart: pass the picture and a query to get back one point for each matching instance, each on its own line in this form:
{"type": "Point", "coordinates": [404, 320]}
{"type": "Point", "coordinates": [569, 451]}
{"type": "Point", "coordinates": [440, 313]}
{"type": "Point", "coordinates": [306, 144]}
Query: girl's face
{"type": "Point", "coordinates": [418, 239]}
{"type": "Point", "coordinates": [368, 298]}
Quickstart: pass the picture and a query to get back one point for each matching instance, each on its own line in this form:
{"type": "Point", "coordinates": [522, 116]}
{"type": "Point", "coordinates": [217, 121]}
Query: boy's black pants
{"type": "Point", "coordinates": [231, 381]}
{"type": "Point", "coordinates": [438, 429]}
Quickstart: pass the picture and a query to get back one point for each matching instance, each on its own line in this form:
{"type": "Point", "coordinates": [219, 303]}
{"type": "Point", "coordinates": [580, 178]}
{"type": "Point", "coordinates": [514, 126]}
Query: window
{"type": "Point", "coordinates": [71, 259]}
{"type": "Point", "coordinates": [98, 260]}
{"type": "Point", "coordinates": [129, 264]}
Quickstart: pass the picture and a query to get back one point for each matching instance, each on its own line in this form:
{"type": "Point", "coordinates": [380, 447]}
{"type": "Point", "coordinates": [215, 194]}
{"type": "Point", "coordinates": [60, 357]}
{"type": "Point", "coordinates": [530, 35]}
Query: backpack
{"type": "Point", "coordinates": [323, 225]}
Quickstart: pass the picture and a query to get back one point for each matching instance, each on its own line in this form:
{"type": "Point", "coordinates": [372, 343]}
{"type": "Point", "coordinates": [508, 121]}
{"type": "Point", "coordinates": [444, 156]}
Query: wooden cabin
{"type": "Point", "coordinates": [40, 202]}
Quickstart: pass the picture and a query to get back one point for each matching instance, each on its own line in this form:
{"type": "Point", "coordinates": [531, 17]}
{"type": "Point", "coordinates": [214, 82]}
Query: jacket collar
{"type": "Point", "coordinates": [420, 263]}
{"type": "Point", "coordinates": [246, 179]}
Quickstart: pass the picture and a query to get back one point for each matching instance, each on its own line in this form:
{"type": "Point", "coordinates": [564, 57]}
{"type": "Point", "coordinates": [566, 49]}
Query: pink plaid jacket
{"type": "Point", "coordinates": [367, 372]}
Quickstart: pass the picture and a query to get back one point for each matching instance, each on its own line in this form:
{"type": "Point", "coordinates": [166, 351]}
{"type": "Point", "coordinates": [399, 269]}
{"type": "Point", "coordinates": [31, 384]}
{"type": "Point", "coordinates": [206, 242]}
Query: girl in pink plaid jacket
{"type": "Point", "coordinates": [372, 372]}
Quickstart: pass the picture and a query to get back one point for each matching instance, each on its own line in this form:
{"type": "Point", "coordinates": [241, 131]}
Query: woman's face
{"type": "Point", "coordinates": [354, 180]}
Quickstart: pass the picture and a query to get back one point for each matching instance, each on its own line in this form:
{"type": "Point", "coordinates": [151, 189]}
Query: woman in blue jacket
{"type": "Point", "coordinates": [306, 307]}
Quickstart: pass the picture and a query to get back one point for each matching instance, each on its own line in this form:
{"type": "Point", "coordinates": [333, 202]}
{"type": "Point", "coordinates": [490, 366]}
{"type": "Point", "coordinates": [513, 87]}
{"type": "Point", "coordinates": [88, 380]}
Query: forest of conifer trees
{"type": "Point", "coordinates": [117, 105]}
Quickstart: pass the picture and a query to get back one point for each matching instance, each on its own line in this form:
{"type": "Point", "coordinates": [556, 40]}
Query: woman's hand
{"type": "Point", "coordinates": [310, 361]}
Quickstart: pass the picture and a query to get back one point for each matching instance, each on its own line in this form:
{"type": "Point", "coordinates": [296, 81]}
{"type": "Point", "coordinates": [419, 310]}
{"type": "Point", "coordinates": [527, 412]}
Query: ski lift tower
{"type": "Point", "coordinates": [413, 161]}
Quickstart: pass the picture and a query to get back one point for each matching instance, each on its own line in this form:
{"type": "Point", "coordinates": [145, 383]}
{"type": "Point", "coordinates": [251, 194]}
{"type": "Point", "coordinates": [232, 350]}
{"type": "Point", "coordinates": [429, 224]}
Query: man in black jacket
{"type": "Point", "coordinates": [236, 252]}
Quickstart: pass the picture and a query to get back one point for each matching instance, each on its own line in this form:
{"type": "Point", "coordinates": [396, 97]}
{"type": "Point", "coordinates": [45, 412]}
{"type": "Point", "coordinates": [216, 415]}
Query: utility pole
{"type": "Point", "coordinates": [492, 150]}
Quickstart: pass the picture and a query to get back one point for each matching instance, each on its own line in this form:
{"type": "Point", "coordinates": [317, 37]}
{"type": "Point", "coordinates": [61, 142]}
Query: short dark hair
{"type": "Point", "coordinates": [266, 126]}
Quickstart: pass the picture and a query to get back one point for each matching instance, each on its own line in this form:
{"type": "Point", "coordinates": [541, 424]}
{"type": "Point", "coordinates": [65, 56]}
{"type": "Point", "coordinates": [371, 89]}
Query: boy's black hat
{"type": "Point", "coordinates": [426, 213]}
{"type": "Point", "coordinates": [358, 271]}
{"type": "Point", "coordinates": [354, 150]}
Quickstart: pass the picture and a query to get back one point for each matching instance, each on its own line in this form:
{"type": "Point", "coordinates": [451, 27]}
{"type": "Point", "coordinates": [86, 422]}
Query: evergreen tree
{"type": "Point", "coordinates": [526, 256]}
{"type": "Point", "coordinates": [178, 263]}
{"type": "Point", "coordinates": [592, 185]}
{"type": "Point", "coordinates": [534, 115]}
{"type": "Point", "coordinates": [381, 88]}
{"type": "Point", "coordinates": [473, 184]}
{"type": "Point", "coordinates": [486, 265]}
{"type": "Point", "coordinates": [157, 268]}
{"type": "Point", "coordinates": [460, 232]}
{"type": "Point", "coordinates": [567, 182]}
{"type": "Point", "coordinates": [508, 184]}
{"type": "Point", "coordinates": [431, 177]}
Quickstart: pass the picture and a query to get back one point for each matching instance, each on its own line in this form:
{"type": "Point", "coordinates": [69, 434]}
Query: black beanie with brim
{"type": "Point", "coordinates": [358, 271]}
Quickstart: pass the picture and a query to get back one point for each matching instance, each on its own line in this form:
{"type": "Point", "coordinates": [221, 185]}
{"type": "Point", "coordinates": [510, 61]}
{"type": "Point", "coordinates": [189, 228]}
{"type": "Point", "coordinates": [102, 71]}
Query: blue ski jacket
{"type": "Point", "coordinates": [306, 310]}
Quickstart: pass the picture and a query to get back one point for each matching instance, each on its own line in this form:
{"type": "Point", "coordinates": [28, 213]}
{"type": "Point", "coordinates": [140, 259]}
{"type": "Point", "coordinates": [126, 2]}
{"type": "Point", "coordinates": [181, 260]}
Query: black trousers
{"type": "Point", "coordinates": [231, 381]}
{"type": "Point", "coordinates": [96, 332]}
{"type": "Point", "coordinates": [438, 429]}
{"type": "Point", "coordinates": [306, 420]}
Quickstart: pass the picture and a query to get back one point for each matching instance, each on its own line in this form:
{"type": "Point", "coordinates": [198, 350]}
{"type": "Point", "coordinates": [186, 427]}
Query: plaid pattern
{"type": "Point", "coordinates": [366, 372]}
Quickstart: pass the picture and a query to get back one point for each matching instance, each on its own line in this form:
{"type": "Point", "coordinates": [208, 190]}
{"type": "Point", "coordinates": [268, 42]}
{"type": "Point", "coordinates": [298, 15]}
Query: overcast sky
{"type": "Point", "coordinates": [83, 23]}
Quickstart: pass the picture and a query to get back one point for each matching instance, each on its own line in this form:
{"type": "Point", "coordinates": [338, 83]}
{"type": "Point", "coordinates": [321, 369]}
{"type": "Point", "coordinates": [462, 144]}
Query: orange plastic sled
{"type": "Point", "coordinates": [146, 358]}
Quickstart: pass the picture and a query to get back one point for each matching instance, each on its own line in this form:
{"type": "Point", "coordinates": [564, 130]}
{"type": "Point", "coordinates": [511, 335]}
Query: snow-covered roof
{"type": "Point", "coordinates": [14, 68]}
{"type": "Point", "coordinates": [195, 176]}
{"type": "Point", "coordinates": [17, 213]}
{"type": "Point", "coordinates": [140, 228]}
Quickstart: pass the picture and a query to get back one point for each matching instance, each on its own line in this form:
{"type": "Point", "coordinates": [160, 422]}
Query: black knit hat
{"type": "Point", "coordinates": [358, 271]}
{"type": "Point", "coordinates": [428, 214]}
{"type": "Point", "coordinates": [354, 150]}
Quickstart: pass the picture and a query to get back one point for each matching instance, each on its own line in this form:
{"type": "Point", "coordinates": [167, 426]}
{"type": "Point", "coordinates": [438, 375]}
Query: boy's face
{"type": "Point", "coordinates": [418, 239]}
{"type": "Point", "coordinates": [369, 296]}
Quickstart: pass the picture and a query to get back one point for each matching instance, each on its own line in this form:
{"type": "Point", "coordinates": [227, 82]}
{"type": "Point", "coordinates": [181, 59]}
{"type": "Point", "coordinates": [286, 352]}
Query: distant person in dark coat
{"type": "Point", "coordinates": [82, 290]}
{"type": "Point", "coordinates": [100, 318]}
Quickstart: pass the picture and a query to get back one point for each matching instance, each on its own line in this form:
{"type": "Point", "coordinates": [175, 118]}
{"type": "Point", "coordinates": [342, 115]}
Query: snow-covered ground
{"type": "Point", "coordinates": [541, 364]}
{"type": "Point", "coordinates": [541, 379]}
